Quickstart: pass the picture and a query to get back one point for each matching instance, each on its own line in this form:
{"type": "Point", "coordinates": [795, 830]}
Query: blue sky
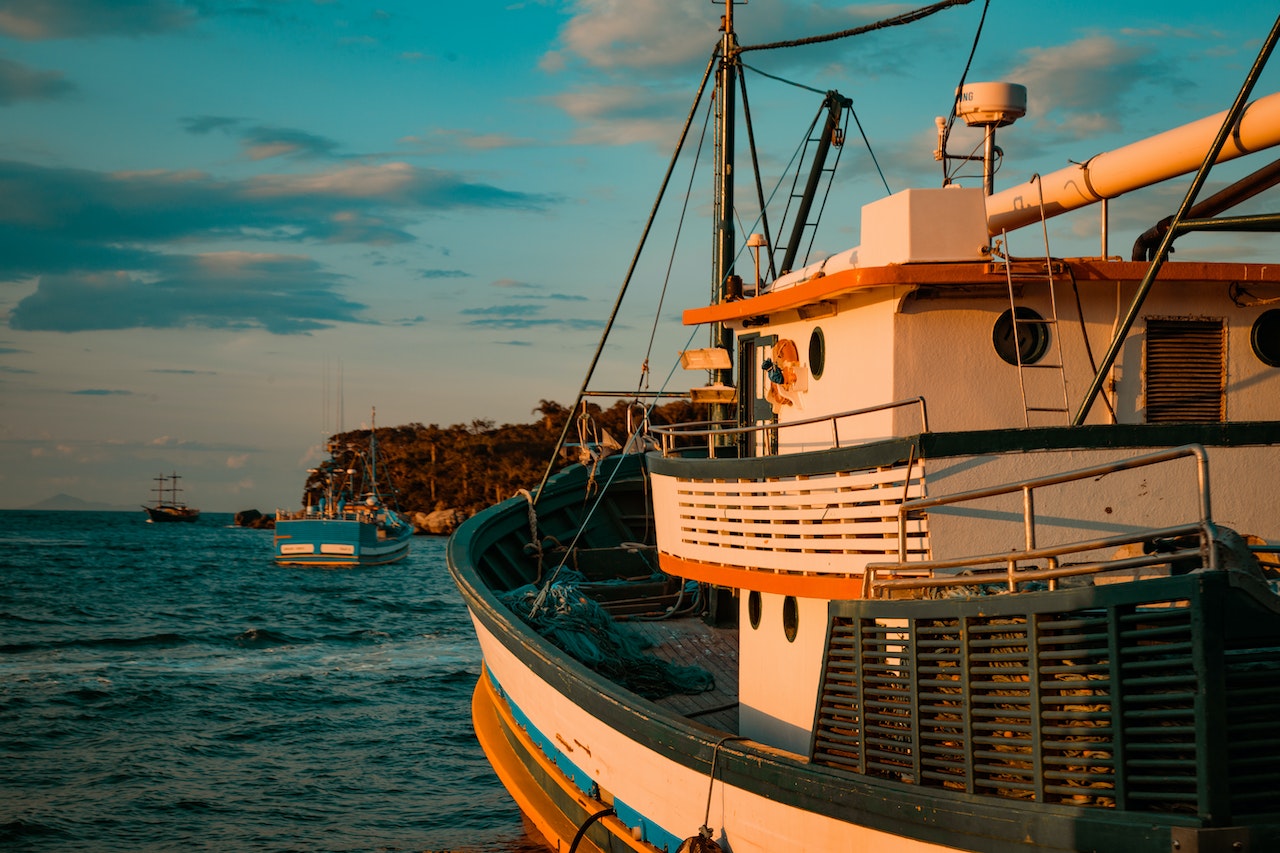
{"type": "Point", "coordinates": [221, 220]}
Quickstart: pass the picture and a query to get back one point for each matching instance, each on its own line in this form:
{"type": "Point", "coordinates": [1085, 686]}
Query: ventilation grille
{"type": "Point", "coordinates": [1186, 371]}
{"type": "Point", "coordinates": [1253, 684]}
{"type": "Point", "coordinates": [1159, 677]}
{"type": "Point", "coordinates": [1028, 706]}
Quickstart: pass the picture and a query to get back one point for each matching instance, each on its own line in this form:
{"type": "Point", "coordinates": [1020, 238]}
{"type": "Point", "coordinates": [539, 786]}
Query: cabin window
{"type": "Point", "coordinates": [790, 617]}
{"type": "Point", "coordinates": [1186, 370]}
{"type": "Point", "coordinates": [753, 609]}
{"type": "Point", "coordinates": [1025, 342]}
{"type": "Point", "coordinates": [1266, 337]}
{"type": "Point", "coordinates": [817, 352]}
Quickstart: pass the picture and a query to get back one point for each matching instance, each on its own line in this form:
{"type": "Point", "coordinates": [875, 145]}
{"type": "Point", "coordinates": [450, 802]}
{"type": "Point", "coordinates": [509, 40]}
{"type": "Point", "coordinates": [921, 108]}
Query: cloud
{"type": "Point", "coordinates": [20, 83]}
{"type": "Point", "coordinates": [54, 19]}
{"type": "Point", "coordinates": [1063, 83]}
{"type": "Point", "coordinates": [233, 290]}
{"type": "Point", "coordinates": [106, 213]}
{"type": "Point", "coordinates": [102, 244]}
{"type": "Point", "coordinates": [263, 142]}
{"type": "Point", "coordinates": [634, 34]}
{"type": "Point", "coordinates": [444, 274]}
{"type": "Point", "coordinates": [446, 140]}
{"type": "Point", "coordinates": [100, 392]}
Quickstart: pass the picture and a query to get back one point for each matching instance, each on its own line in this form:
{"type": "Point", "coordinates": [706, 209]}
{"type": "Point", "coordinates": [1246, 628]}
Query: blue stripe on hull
{"type": "Point", "coordinates": [651, 832]}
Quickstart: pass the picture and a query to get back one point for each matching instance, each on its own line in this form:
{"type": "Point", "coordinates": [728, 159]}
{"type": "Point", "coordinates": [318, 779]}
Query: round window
{"type": "Point", "coordinates": [753, 608]}
{"type": "Point", "coordinates": [817, 352]}
{"type": "Point", "coordinates": [1027, 343]}
{"type": "Point", "coordinates": [790, 617]}
{"type": "Point", "coordinates": [1266, 337]}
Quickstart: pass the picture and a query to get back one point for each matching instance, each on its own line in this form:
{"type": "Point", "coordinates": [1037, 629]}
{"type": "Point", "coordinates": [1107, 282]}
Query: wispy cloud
{"type": "Point", "coordinates": [281, 294]}
{"type": "Point", "coordinates": [19, 82]}
{"type": "Point", "coordinates": [55, 19]}
{"type": "Point", "coordinates": [107, 246]}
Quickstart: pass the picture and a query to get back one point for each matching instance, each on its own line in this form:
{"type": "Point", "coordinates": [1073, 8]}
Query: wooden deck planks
{"type": "Point", "coordinates": [691, 642]}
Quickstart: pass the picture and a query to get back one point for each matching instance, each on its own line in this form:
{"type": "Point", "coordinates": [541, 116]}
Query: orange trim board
{"type": "Point", "coordinates": [830, 586]}
{"type": "Point", "coordinates": [845, 281]}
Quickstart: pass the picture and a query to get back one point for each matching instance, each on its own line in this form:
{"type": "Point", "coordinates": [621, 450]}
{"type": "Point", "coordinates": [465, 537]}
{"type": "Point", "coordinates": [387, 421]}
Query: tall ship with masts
{"type": "Point", "coordinates": [167, 506]}
{"type": "Point", "coordinates": [976, 551]}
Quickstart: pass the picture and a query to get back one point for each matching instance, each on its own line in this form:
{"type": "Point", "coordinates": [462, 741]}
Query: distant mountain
{"type": "Point", "coordinates": [67, 502]}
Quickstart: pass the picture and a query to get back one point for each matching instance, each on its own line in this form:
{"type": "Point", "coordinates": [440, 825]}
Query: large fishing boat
{"type": "Point", "coordinates": [1038, 613]}
{"type": "Point", "coordinates": [167, 506]}
{"type": "Point", "coordinates": [346, 519]}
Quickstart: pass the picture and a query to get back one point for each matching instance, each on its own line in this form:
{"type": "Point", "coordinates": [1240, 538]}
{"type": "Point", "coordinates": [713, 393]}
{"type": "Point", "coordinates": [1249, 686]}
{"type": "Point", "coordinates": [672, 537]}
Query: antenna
{"type": "Point", "coordinates": [990, 105]}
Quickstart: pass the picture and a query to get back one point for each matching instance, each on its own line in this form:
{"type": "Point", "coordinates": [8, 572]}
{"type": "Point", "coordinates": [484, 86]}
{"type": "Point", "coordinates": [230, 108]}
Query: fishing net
{"type": "Point", "coordinates": [581, 627]}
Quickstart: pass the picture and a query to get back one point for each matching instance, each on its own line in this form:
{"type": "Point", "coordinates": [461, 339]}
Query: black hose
{"type": "Point", "coordinates": [582, 830]}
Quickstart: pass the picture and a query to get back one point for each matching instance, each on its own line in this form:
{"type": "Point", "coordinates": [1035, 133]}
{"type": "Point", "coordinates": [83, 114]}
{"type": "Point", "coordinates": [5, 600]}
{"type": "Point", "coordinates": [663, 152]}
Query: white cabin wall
{"type": "Point", "coordinates": [778, 679]}
{"type": "Point", "coordinates": [857, 373]}
{"type": "Point", "coordinates": [943, 351]}
{"type": "Point", "coordinates": [1240, 479]}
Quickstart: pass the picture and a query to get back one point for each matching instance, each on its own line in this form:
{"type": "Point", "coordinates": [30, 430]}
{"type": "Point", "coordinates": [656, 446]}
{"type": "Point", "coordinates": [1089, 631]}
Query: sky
{"type": "Point", "coordinates": [230, 229]}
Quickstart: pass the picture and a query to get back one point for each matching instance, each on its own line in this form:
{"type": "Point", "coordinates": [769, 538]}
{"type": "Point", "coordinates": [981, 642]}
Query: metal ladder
{"type": "Point", "coordinates": [1050, 325]}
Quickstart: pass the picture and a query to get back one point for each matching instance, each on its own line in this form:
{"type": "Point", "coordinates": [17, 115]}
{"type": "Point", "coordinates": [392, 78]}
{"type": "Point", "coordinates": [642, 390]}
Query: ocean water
{"type": "Point", "coordinates": [167, 687]}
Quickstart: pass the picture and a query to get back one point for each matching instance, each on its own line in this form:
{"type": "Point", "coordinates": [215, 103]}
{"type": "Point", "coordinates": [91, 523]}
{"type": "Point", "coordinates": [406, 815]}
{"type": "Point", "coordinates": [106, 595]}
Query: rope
{"type": "Point", "coordinates": [705, 830]}
{"type": "Point", "coordinates": [582, 830]}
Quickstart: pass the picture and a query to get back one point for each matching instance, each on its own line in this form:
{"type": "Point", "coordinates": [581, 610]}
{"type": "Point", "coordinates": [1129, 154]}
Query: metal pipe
{"type": "Point", "coordinates": [1140, 164]}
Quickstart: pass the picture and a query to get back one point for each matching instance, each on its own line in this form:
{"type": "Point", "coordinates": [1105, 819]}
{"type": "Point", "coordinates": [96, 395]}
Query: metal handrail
{"type": "Point", "coordinates": [711, 429]}
{"type": "Point", "coordinates": [1030, 550]}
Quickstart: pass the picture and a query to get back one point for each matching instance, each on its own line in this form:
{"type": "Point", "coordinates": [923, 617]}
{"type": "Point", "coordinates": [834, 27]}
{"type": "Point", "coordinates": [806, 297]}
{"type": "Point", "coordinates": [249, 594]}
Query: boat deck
{"type": "Point", "coordinates": [692, 642]}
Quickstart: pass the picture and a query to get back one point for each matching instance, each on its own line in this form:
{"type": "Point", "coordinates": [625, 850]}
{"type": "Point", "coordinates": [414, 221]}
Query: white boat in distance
{"type": "Point", "coordinates": [1038, 613]}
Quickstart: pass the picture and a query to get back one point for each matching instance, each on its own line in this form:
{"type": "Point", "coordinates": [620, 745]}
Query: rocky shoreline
{"type": "Point", "coordinates": [442, 522]}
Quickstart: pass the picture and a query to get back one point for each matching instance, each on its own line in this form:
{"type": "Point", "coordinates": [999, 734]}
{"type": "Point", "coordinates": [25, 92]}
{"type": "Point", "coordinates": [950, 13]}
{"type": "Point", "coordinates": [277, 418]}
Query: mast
{"type": "Point", "coordinates": [373, 452]}
{"type": "Point", "coordinates": [724, 238]}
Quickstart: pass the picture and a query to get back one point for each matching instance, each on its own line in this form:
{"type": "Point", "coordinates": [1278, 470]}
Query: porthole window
{"type": "Point", "coordinates": [817, 352]}
{"type": "Point", "coordinates": [753, 609]}
{"type": "Point", "coordinates": [1030, 342]}
{"type": "Point", "coordinates": [790, 617]}
{"type": "Point", "coordinates": [1266, 337]}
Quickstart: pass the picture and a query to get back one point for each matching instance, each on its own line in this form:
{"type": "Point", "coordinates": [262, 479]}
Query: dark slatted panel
{"type": "Point", "coordinates": [1003, 717]}
{"type": "Point", "coordinates": [839, 737]}
{"type": "Point", "coordinates": [1076, 694]}
{"type": "Point", "coordinates": [886, 700]}
{"type": "Point", "coordinates": [1253, 688]}
{"type": "Point", "coordinates": [1185, 371]}
{"type": "Point", "coordinates": [1159, 731]}
{"type": "Point", "coordinates": [1095, 707]}
{"type": "Point", "coordinates": [944, 741]}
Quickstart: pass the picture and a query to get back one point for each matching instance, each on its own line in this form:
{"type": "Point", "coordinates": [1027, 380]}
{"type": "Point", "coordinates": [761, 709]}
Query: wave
{"type": "Point", "coordinates": [147, 641]}
{"type": "Point", "coordinates": [263, 637]}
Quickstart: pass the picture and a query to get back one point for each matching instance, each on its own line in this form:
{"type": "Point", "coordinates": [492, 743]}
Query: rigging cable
{"type": "Point", "coordinates": [897, 21]}
{"type": "Point", "coordinates": [613, 314]}
{"type": "Point", "coordinates": [951, 118]}
{"type": "Point", "coordinates": [755, 168]}
{"type": "Point", "coordinates": [688, 196]}
{"type": "Point", "coordinates": [852, 112]}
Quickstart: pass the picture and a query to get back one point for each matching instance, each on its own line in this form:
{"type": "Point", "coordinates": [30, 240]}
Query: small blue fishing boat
{"type": "Point", "coordinates": [345, 521]}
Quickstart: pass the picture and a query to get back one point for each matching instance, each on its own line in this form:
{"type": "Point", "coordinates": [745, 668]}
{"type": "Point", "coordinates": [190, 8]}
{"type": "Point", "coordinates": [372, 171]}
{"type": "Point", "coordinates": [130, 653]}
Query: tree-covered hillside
{"type": "Point", "coordinates": [470, 466]}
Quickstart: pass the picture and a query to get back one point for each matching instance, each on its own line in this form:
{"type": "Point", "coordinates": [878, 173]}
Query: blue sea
{"type": "Point", "coordinates": [166, 687]}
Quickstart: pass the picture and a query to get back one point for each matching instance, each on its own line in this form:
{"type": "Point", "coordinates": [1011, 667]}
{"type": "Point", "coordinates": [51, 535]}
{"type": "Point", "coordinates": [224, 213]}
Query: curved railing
{"type": "Point", "coordinates": [1188, 540]}
{"type": "Point", "coordinates": [711, 430]}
